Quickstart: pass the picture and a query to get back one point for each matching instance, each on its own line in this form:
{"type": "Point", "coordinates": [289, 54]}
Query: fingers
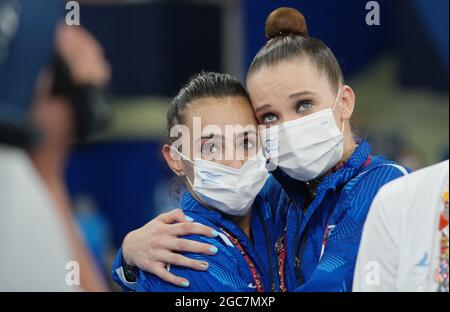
{"type": "Point", "coordinates": [162, 273]}
{"type": "Point", "coordinates": [174, 216]}
{"type": "Point", "coordinates": [190, 228]}
{"type": "Point", "coordinates": [182, 261]}
{"type": "Point", "coordinates": [187, 245]}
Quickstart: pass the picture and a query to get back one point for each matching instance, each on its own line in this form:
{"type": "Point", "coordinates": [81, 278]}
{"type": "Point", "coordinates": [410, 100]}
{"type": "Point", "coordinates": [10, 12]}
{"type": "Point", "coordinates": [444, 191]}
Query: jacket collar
{"type": "Point", "coordinates": [296, 190]}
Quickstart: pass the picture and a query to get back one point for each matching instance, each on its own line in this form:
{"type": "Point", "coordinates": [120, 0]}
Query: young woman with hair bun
{"type": "Point", "coordinates": [323, 177]}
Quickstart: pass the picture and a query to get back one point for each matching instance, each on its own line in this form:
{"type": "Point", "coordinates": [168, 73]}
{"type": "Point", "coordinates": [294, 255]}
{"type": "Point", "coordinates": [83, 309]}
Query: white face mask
{"type": "Point", "coordinates": [227, 189]}
{"type": "Point", "coordinates": [307, 147]}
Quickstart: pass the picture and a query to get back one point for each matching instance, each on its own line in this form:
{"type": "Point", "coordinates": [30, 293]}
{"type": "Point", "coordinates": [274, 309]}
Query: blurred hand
{"type": "Point", "coordinates": [153, 246]}
{"type": "Point", "coordinates": [88, 66]}
{"type": "Point", "coordinates": [83, 54]}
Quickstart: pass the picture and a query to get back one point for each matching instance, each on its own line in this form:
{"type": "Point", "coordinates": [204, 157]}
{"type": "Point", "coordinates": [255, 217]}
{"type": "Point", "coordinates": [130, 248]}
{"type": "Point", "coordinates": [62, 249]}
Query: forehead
{"type": "Point", "coordinates": [277, 82]}
{"type": "Point", "coordinates": [220, 112]}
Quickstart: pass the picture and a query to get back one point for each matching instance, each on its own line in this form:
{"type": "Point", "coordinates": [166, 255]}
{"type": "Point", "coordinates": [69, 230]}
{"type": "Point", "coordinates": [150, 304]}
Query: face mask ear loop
{"type": "Point", "coordinates": [334, 107]}
{"type": "Point", "coordinates": [188, 181]}
{"type": "Point", "coordinates": [187, 159]}
{"type": "Point", "coordinates": [336, 100]}
{"type": "Point", "coordinates": [182, 156]}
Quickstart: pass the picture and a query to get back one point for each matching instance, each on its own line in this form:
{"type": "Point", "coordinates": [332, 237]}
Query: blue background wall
{"type": "Point", "coordinates": [154, 47]}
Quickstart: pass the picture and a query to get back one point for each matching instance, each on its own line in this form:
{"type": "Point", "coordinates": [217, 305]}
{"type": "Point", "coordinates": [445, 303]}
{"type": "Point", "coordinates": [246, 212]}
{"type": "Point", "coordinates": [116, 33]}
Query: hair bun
{"type": "Point", "coordinates": [285, 22]}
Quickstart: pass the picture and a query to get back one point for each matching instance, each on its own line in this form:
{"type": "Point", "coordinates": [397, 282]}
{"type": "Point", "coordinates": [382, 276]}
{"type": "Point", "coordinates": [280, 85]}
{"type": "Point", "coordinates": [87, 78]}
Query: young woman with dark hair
{"type": "Point", "coordinates": [219, 191]}
{"type": "Point", "coordinates": [328, 176]}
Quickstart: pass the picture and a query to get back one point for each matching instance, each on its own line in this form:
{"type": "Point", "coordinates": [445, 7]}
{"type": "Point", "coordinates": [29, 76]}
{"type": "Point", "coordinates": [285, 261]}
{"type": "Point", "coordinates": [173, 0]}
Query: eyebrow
{"type": "Point", "coordinates": [238, 135]}
{"type": "Point", "coordinates": [263, 108]}
{"type": "Point", "coordinates": [301, 93]}
{"type": "Point", "coordinates": [293, 95]}
{"type": "Point", "coordinates": [245, 133]}
{"type": "Point", "coordinates": [211, 135]}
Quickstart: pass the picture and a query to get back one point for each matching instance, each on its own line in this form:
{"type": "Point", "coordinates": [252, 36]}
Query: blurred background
{"type": "Point", "coordinates": [117, 180]}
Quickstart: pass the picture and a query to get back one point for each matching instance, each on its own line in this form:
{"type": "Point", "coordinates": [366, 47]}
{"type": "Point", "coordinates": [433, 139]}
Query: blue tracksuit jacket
{"type": "Point", "coordinates": [228, 270]}
{"type": "Point", "coordinates": [337, 213]}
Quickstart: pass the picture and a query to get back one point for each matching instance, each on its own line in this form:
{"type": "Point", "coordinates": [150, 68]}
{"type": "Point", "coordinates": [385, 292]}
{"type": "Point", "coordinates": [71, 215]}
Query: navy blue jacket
{"type": "Point", "coordinates": [323, 240]}
{"type": "Point", "coordinates": [228, 270]}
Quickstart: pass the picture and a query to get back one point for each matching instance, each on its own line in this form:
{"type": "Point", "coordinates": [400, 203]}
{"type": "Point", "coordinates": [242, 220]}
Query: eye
{"type": "Point", "coordinates": [304, 106]}
{"type": "Point", "coordinates": [210, 148]}
{"type": "Point", "coordinates": [248, 144]}
{"type": "Point", "coordinates": [269, 118]}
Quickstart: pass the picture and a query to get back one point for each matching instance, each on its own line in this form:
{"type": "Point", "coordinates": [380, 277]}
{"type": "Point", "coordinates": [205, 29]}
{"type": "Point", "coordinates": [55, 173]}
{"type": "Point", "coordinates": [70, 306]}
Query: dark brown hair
{"type": "Point", "coordinates": [202, 85]}
{"type": "Point", "coordinates": [288, 39]}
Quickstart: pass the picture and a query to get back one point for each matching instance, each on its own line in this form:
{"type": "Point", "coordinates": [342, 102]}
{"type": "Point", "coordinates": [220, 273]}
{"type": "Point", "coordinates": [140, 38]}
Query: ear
{"type": "Point", "coordinates": [347, 102]}
{"type": "Point", "coordinates": [174, 164]}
